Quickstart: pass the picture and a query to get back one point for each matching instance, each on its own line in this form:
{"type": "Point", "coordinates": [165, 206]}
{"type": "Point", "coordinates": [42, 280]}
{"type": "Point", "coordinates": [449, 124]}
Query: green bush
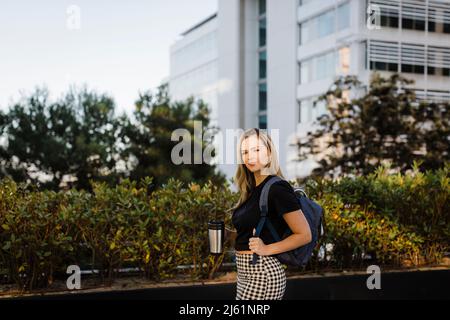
{"type": "Point", "coordinates": [355, 233]}
{"type": "Point", "coordinates": [396, 219]}
{"type": "Point", "coordinates": [35, 239]}
{"type": "Point", "coordinates": [42, 233]}
{"type": "Point", "coordinates": [413, 207]}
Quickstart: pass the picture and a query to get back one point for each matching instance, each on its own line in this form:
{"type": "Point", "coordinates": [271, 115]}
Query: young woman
{"type": "Point", "coordinates": [266, 280]}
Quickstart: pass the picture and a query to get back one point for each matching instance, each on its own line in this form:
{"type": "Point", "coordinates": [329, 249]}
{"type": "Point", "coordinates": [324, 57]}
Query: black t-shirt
{"type": "Point", "coordinates": [282, 199]}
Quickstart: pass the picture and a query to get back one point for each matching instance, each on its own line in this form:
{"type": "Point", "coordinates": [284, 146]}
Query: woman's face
{"type": "Point", "coordinates": [254, 153]}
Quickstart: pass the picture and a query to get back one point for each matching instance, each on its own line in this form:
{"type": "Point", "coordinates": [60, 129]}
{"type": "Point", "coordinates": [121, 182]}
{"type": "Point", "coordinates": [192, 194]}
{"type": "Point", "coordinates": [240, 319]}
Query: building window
{"type": "Point", "coordinates": [415, 16]}
{"type": "Point", "coordinates": [410, 68]}
{"type": "Point", "coordinates": [262, 122]}
{"type": "Point", "coordinates": [263, 64]}
{"type": "Point", "coordinates": [262, 32]}
{"type": "Point", "coordinates": [262, 106]}
{"type": "Point", "coordinates": [413, 24]}
{"type": "Point", "coordinates": [321, 106]}
{"type": "Point", "coordinates": [325, 66]}
{"type": "Point", "coordinates": [439, 71]}
{"type": "Point", "coordinates": [305, 71]}
{"type": "Point", "coordinates": [389, 21]}
{"type": "Point", "coordinates": [431, 26]}
{"type": "Point", "coordinates": [262, 7]}
{"type": "Point", "coordinates": [317, 27]}
{"type": "Point", "coordinates": [304, 32]}
{"type": "Point", "coordinates": [446, 72]}
{"type": "Point", "coordinates": [310, 110]}
{"type": "Point", "coordinates": [318, 67]}
{"type": "Point", "coordinates": [343, 14]}
{"type": "Point", "coordinates": [324, 24]}
{"type": "Point", "coordinates": [262, 97]}
{"type": "Point", "coordinates": [446, 28]}
{"type": "Point", "coordinates": [305, 112]}
{"type": "Point", "coordinates": [383, 66]}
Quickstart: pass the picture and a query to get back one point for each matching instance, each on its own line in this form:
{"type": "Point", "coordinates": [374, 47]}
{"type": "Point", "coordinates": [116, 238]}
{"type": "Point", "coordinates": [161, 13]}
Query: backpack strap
{"type": "Point", "coordinates": [263, 205]}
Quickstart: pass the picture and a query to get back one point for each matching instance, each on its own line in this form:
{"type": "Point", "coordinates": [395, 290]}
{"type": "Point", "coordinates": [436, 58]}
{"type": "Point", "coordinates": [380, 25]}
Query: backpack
{"type": "Point", "coordinates": [313, 213]}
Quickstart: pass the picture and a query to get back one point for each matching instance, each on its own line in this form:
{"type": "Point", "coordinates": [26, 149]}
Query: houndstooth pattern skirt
{"type": "Point", "coordinates": [266, 280]}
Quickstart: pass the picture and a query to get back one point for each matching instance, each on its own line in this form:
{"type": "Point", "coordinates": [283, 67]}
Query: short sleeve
{"type": "Point", "coordinates": [282, 198]}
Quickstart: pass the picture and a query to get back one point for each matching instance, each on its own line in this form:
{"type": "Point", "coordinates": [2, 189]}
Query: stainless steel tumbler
{"type": "Point", "coordinates": [216, 232]}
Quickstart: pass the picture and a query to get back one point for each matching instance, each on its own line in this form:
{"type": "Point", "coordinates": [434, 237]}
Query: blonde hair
{"type": "Point", "coordinates": [244, 178]}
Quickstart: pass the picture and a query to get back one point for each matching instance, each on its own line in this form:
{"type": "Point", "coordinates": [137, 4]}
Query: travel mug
{"type": "Point", "coordinates": [216, 232]}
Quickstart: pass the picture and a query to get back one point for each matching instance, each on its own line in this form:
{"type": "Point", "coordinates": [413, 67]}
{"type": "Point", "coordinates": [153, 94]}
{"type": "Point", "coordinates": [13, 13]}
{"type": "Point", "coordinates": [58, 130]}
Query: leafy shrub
{"type": "Point", "coordinates": [42, 233]}
{"type": "Point", "coordinates": [356, 233]}
{"type": "Point", "coordinates": [416, 204]}
{"type": "Point", "coordinates": [394, 219]}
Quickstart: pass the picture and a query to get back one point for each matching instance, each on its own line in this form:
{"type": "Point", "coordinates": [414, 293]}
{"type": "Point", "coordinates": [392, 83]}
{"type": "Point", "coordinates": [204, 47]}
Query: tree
{"type": "Point", "coordinates": [385, 125]}
{"type": "Point", "coordinates": [77, 139]}
{"type": "Point", "coordinates": [71, 140]}
{"type": "Point", "coordinates": [148, 139]}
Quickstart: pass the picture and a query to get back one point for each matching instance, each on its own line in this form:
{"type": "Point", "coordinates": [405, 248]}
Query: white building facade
{"type": "Point", "coordinates": [194, 65]}
{"type": "Point", "coordinates": [274, 58]}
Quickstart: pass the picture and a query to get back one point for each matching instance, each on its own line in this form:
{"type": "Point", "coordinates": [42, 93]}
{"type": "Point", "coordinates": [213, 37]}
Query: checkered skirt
{"type": "Point", "coordinates": [266, 280]}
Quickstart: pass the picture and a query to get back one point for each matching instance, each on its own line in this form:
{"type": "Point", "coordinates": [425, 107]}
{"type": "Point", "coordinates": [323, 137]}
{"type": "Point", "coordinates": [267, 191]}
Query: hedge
{"type": "Point", "coordinates": [393, 219]}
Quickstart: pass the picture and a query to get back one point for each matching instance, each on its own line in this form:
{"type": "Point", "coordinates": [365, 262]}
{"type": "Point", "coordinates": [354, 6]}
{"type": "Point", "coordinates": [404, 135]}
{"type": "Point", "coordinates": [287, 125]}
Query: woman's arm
{"type": "Point", "coordinates": [301, 235]}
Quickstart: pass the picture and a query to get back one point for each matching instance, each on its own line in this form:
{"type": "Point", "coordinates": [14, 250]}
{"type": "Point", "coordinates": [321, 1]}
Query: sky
{"type": "Point", "coordinates": [117, 47]}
